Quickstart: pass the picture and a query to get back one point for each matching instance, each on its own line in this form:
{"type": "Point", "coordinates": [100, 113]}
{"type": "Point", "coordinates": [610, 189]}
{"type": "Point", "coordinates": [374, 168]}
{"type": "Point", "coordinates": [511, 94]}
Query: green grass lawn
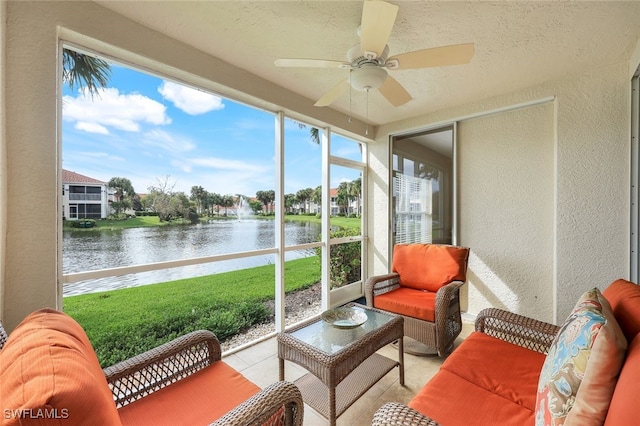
{"type": "Point", "coordinates": [144, 221]}
{"type": "Point", "coordinates": [341, 221]}
{"type": "Point", "coordinates": [134, 222]}
{"type": "Point", "coordinates": [123, 323]}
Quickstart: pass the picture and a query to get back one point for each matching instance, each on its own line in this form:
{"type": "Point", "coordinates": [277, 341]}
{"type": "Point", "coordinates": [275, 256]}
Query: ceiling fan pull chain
{"type": "Point", "coordinates": [366, 128]}
{"type": "Point", "coordinates": [350, 89]}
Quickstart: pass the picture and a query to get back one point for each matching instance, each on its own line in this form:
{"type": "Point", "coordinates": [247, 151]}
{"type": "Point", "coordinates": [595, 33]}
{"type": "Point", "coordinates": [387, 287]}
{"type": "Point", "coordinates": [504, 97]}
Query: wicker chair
{"type": "Point", "coordinates": [424, 288]}
{"type": "Point", "coordinates": [183, 381]}
{"type": "Point", "coordinates": [3, 335]}
{"type": "Point", "coordinates": [140, 376]}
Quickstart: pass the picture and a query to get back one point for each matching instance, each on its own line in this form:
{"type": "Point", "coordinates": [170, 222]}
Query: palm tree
{"type": "Point", "coordinates": [355, 190]}
{"type": "Point", "coordinates": [266, 198]}
{"type": "Point", "coordinates": [198, 195]}
{"type": "Point", "coordinates": [80, 70]}
{"type": "Point", "coordinates": [289, 201]}
{"type": "Point", "coordinates": [122, 186]}
{"type": "Point", "coordinates": [316, 197]}
{"type": "Point", "coordinates": [226, 202]}
{"type": "Point", "coordinates": [343, 196]}
{"type": "Point", "coordinates": [207, 203]}
{"type": "Point", "coordinates": [271, 197]}
{"type": "Point", "coordinates": [124, 192]}
{"type": "Point", "coordinates": [303, 196]}
{"type": "Point", "coordinates": [314, 133]}
{"type": "Point", "coordinates": [215, 201]}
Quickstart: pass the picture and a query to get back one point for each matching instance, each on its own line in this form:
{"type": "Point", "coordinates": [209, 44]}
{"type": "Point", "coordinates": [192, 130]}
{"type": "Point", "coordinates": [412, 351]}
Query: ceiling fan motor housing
{"type": "Point", "coordinates": [357, 57]}
{"type": "Point", "coordinates": [367, 72]}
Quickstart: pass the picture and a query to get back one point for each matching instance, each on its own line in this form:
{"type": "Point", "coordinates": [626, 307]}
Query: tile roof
{"type": "Point", "coordinates": [73, 177]}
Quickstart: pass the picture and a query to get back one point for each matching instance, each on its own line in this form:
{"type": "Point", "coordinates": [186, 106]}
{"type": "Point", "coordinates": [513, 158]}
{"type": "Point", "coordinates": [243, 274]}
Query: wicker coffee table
{"type": "Point", "coordinates": [342, 363]}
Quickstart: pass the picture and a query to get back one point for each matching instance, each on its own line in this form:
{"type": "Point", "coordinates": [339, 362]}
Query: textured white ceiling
{"type": "Point", "coordinates": [517, 43]}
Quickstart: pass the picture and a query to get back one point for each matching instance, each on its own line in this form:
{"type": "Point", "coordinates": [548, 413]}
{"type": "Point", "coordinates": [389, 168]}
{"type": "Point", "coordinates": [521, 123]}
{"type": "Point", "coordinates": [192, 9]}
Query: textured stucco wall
{"type": "Point", "coordinates": [3, 152]}
{"type": "Point", "coordinates": [30, 261]}
{"type": "Point", "coordinates": [634, 63]}
{"type": "Point", "coordinates": [593, 134]}
{"type": "Point", "coordinates": [587, 232]}
{"type": "Point", "coordinates": [506, 192]}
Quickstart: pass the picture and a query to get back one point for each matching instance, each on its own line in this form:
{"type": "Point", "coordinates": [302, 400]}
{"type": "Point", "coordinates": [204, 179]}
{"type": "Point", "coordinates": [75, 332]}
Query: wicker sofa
{"type": "Point", "coordinates": [49, 374]}
{"type": "Point", "coordinates": [500, 374]}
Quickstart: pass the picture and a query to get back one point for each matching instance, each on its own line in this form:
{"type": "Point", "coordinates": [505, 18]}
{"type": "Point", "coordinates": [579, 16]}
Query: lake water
{"type": "Point", "coordinates": [87, 251]}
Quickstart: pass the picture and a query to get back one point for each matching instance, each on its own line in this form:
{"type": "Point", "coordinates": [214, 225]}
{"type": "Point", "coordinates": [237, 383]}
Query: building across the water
{"type": "Point", "coordinates": [84, 197]}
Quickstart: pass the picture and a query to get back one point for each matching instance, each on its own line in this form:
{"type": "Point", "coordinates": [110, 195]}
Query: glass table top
{"type": "Point", "coordinates": [330, 339]}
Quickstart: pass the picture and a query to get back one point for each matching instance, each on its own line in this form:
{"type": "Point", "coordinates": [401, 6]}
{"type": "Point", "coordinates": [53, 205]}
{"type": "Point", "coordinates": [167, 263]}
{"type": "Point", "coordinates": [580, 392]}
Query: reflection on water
{"type": "Point", "coordinates": [87, 251]}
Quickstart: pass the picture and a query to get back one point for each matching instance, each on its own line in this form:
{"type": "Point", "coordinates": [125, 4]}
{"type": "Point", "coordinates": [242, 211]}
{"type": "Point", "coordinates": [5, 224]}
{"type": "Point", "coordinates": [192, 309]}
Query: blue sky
{"type": "Point", "coordinates": [152, 130]}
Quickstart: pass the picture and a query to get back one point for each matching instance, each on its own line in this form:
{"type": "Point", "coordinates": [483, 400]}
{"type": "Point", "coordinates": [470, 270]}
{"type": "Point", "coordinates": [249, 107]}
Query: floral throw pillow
{"type": "Point", "coordinates": [580, 372]}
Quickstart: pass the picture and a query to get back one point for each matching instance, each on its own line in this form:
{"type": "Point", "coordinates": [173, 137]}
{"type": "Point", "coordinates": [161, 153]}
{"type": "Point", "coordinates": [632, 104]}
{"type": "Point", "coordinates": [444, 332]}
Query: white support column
{"type": "Point", "coordinates": [635, 181]}
{"type": "Point", "coordinates": [326, 218]}
{"type": "Point", "coordinates": [279, 228]}
{"type": "Point", "coordinates": [454, 181]}
{"type": "Point", "coordinates": [364, 225]}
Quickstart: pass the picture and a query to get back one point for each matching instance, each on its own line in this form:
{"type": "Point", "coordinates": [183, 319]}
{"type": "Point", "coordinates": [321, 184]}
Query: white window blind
{"type": "Point", "coordinates": [413, 209]}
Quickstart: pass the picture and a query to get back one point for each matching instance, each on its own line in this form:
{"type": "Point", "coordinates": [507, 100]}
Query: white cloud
{"type": "Point", "coordinates": [191, 101]}
{"type": "Point", "coordinates": [160, 139]}
{"type": "Point", "coordinates": [182, 165]}
{"type": "Point", "coordinates": [92, 127]}
{"type": "Point", "coordinates": [222, 176]}
{"type": "Point", "coordinates": [102, 156]}
{"type": "Point", "coordinates": [226, 182]}
{"type": "Point", "coordinates": [223, 164]}
{"type": "Point", "coordinates": [112, 109]}
{"type": "Point", "coordinates": [247, 124]}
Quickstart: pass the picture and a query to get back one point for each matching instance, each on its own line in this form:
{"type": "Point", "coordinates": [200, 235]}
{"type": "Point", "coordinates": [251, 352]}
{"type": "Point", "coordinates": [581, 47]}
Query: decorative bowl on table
{"type": "Point", "coordinates": [344, 317]}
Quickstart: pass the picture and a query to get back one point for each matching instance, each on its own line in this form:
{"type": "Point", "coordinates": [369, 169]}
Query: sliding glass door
{"type": "Point", "coordinates": [422, 184]}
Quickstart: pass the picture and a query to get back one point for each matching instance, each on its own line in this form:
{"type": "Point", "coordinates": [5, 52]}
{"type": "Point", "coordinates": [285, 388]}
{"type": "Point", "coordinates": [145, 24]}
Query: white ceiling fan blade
{"type": "Point", "coordinates": [310, 63]}
{"type": "Point", "coordinates": [378, 18]}
{"type": "Point", "coordinates": [333, 94]}
{"type": "Point", "coordinates": [456, 54]}
{"type": "Point", "coordinates": [394, 92]}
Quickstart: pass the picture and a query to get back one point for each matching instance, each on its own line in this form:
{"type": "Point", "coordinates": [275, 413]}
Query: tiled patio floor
{"type": "Point", "coordinates": [259, 363]}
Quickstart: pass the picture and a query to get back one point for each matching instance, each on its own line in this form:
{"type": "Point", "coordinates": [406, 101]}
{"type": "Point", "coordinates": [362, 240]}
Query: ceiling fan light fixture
{"type": "Point", "coordinates": [368, 78]}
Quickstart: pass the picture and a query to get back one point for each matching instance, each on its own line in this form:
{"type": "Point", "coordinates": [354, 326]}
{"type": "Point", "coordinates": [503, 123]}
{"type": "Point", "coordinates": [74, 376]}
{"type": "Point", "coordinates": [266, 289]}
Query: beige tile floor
{"type": "Point", "coordinates": [259, 363]}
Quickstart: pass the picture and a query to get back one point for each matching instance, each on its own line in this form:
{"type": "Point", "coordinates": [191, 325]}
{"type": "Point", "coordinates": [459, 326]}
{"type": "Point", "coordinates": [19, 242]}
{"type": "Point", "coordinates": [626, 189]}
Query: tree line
{"type": "Point", "coordinates": [168, 204]}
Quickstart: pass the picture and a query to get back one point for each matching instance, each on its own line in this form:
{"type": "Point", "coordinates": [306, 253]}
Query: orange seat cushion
{"type": "Point", "coordinates": [624, 298]}
{"type": "Point", "coordinates": [495, 381]}
{"type": "Point", "coordinates": [49, 371]}
{"type": "Point", "coordinates": [507, 370]}
{"type": "Point", "coordinates": [429, 266]}
{"type": "Point", "coordinates": [196, 400]}
{"type": "Point", "coordinates": [453, 401]}
{"type": "Point", "coordinates": [625, 402]}
{"type": "Point", "coordinates": [409, 302]}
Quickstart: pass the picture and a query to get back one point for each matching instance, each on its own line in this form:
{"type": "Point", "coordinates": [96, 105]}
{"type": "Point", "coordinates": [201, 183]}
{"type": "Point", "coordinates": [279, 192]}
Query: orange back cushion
{"type": "Point", "coordinates": [624, 298]}
{"type": "Point", "coordinates": [429, 266]}
{"type": "Point", "coordinates": [50, 374]}
{"type": "Point", "coordinates": [625, 403]}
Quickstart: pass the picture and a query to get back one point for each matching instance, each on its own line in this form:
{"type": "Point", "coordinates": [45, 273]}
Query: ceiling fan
{"type": "Point", "coordinates": [369, 61]}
